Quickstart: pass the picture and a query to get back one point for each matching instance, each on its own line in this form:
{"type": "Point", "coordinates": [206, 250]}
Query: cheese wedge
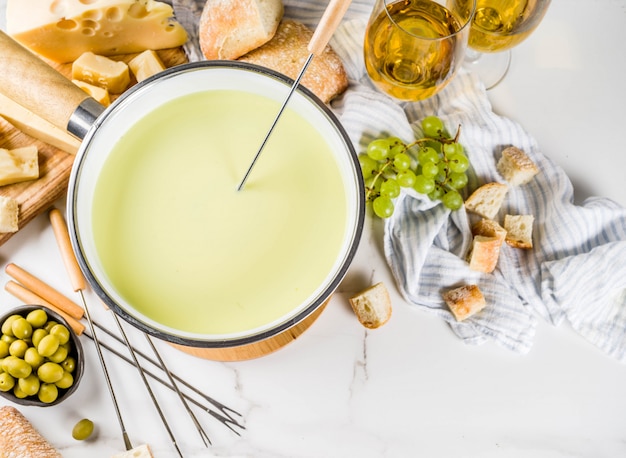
{"type": "Point", "coordinates": [101, 71]}
{"type": "Point", "coordinates": [9, 210]}
{"type": "Point", "coordinates": [145, 65]}
{"type": "Point", "coordinates": [96, 92]}
{"type": "Point", "coordinates": [62, 30]}
{"type": "Point", "coordinates": [19, 164]}
{"type": "Point", "coordinates": [37, 127]}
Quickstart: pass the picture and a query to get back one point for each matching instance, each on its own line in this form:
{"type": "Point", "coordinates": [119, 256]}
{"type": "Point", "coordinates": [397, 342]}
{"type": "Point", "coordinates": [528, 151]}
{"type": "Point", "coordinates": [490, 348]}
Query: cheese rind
{"type": "Point", "coordinates": [101, 71]}
{"type": "Point", "coordinates": [61, 30]}
{"type": "Point", "coordinates": [19, 164]}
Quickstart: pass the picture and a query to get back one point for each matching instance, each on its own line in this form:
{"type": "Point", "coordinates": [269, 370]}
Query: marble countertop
{"type": "Point", "coordinates": [410, 388]}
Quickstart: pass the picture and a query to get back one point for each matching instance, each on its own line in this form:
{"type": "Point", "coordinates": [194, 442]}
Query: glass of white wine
{"type": "Point", "coordinates": [413, 48]}
{"type": "Point", "coordinates": [498, 26]}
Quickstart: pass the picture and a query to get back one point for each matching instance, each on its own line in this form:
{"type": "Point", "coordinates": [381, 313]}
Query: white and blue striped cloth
{"type": "Point", "coordinates": [576, 270]}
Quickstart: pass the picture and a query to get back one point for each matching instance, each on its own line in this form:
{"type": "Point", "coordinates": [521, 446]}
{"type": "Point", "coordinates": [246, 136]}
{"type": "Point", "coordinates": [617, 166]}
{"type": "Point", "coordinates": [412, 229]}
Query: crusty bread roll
{"type": "Point", "coordinates": [465, 301]}
{"type": "Point", "coordinates": [372, 306]}
{"type": "Point", "coordinates": [18, 437]}
{"type": "Point", "coordinates": [487, 199]}
{"type": "Point", "coordinates": [287, 52]}
{"type": "Point", "coordinates": [519, 230]}
{"type": "Point", "coordinates": [516, 167]}
{"type": "Point", "coordinates": [230, 28]}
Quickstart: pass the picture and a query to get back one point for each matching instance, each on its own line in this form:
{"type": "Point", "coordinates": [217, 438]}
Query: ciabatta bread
{"type": "Point", "coordinates": [487, 199]}
{"type": "Point", "coordinates": [18, 437]}
{"type": "Point", "coordinates": [372, 306]}
{"type": "Point", "coordinates": [484, 253]}
{"type": "Point", "coordinates": [228, 29]}
{"type": "Point", "coordinates": [465, 301]}
{"type": "Point", "coordinates": [287, 52]}
{"type": "Point", "coordinates": [516, 167]}
{"type": "Point", "coordinates": [519, 230]}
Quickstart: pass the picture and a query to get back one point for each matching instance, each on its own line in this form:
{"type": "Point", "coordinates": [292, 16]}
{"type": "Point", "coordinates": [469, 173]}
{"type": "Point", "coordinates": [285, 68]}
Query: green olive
{"type": "Point", "coordinates": [29, 385]}
{"type": "Point", "coordinates": [48, 392]}
{"type": "Point", "coordinates": [48, 345]}
{"type": "Point", "coordinates": [50, 372]}
{"type": "Point", "coordinates": [38, 334]}
{"type": "Point", "coordinates": [59, 355]}
{"type": "Point", "coordinates": [69, 364]}
{"type": "Point", "coordinates": [18, 348]}
{"type": "Point", "coordinates": [37, 318]}
{"type": "Point", "coordinates": [7, 338]}
{"type": "Point", "coordinates": [18, 393]}
{"type": "Point", "coordinates": [6, 381]}
{"type": "Point", "coordinates": [49, 325]}
{"type": "Point", "coordinates": [82, 430]}
{"type": "Point", "coordinates": [8, 324]}
{"type": "Point", "coordinates": [4, 348]}
{"type": "Point", "coordinates": [21, 328]}
{"type": "Point", "coordinates": [33, 358]}
{"type": "Point", "coordinates": [66, 381]}
{"type": "Point", "coordinates": [17, 367]}
{"type": "Point", "coordinates": [61, 333]}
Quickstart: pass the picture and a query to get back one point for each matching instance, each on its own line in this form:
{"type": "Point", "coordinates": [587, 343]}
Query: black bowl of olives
{"type": "Point", "coordinates": [41, 357]}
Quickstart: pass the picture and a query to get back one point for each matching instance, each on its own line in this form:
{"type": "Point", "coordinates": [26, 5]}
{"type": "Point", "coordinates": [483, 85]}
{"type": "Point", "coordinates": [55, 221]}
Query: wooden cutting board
{"type": "Point", "coordinates": [37, 196]}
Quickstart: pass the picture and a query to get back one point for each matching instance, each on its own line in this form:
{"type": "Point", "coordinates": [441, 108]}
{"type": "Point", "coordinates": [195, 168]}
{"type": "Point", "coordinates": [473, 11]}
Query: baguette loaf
{"type": "Point", "coordinates": [228, 29]}
{"type": "Point", "coordinates": [519, 230]}
{"type": "Point", "coordinates": [516, 167]}
{"type": "Point", "coordinates": [18, 437]}
{"type": "Point", "coordinates": [465, 301]}
{"type": "Point", "coordinates": [287, 52]}
{"type": "Point", "coordinates": [487, 199]}
{"type": "Point", "coordinates": [372, 306]}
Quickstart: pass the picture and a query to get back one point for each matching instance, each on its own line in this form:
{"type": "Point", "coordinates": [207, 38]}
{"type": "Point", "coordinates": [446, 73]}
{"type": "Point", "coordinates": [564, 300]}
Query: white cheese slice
{"type": "Point", "coordinates": [19, 164]}
{"type": "Point", "coordinates": [61, 30]}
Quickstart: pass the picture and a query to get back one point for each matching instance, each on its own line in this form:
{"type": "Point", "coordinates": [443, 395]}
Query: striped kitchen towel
{"type": "Point", "coordinates": [576, 270]}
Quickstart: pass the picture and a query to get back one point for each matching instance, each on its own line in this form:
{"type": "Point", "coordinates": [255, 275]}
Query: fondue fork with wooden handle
{"type": "Point", "coordinates": [78, 283]}
{"type": "Point", "coordinates": [323, 32]}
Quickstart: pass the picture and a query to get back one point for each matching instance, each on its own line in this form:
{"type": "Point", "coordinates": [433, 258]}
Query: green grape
{"type": "Point", "coordinates": [401, 162]}
{"type": "Point", "coordinates": [423, 184]}
{"type": "Point", "coordinates": [368, 165]}
{"type": "Point", "coordinates": [373, 184]}
{"type": "Point", "coordinates": [458, 163]}
{"type": "Point", "coordinates": [378, 149]}
{"type": "Point", "coordinates": [428, 154]}
{"type": "Point", "coordinates": [383, 207]}
{"type": "Point", "coordinates": [390, 188]}
{"type": "Point", "coordinates": [406, 179]}
{"type": "Point", "coordinates": [432, 126]}
{"type": "Point", "coordinates": [396, 146]}
{"type": "Point", "coordinates": [452, 200]}
{"type": "Point", "coordinates": [442, 174]}
{"type": "Point", "coordinates": [452, 148]}
{"type": "Point", "coordinates": [430, 170]}
{"type": "Point", "coordinates": [457, 180]}
{"type": "Point", "coordinates": [436, 193]}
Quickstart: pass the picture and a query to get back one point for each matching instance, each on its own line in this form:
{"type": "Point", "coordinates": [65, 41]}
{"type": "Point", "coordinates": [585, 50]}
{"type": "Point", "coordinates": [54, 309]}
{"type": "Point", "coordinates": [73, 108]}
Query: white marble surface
{"type": "Point", "coordinates": [410, 388]}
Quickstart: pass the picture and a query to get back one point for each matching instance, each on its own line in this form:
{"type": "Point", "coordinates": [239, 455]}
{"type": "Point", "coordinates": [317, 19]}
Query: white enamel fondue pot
{"type": "Point", "coordinates": [102, 129]}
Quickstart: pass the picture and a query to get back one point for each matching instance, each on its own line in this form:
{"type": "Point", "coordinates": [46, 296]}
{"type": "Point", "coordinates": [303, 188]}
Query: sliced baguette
{"type": "Point", "coordinates": [489, 228]}
{"type": "Point", "coordinates": [487, 199]}
{"type": "Point", "coordinates": [484, 253]}
{"type": "Point", "coordinates": [228, 29]}
{"type": "Point", "coordinates": [465, 301]}
{"type": "Point", "coordinates": [516, 167]}
{"type": "Point", "coordinates": [287, 52]}
{"type": "Point", "coordinates": [519, 230]}
{"type": "Point", "coordinates": [18, 437]}
{"type": "Point", "coordinates": [372, 306]}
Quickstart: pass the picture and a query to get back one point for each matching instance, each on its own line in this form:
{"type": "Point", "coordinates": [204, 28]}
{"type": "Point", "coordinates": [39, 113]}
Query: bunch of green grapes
{"type": "Point", "coordinates": [434, 165]}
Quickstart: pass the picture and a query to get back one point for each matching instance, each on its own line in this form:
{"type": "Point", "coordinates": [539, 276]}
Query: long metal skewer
{"type": "Point", "coordinates": [203, 435]}
{"type": "Point", "coordinates": [328, 24]}
{"type": "Point", "coordinates": [78, 283]}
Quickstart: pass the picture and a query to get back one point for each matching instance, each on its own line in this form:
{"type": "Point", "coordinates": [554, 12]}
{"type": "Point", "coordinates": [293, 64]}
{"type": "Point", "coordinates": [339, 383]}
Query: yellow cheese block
{"type": "Point", "coordinates": [36, 127]}
{"type": "Point", "coordinates": [145, 65]}
{"type": "Point", "coordinates": [9, 211]}
{"type": "Point", "coordinates": [19, 164]}
{"type": "Point", "coordinates": [96, 92]}
{"type": "Point", "coordinates": [62, 30]}
{"type": "Point", "coordinates": [101, 71]}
